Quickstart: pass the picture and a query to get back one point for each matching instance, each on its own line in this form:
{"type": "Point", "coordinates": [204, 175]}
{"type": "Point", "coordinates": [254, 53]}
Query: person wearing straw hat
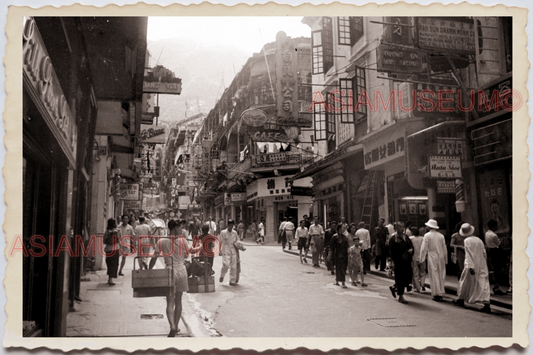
{"type": "Point", "coordinates": [474, 286]}
{"type": "Point", "coordinates": [434, 248]}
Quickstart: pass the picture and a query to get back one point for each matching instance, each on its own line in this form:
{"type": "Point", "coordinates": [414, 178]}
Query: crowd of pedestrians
{"type": "Point", "coordinates": [407, 253]}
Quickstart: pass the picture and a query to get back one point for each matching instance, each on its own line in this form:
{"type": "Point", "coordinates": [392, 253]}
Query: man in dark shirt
{"type": "Point", "coordinates": [307, 222]}
{"type": "Point", "coordinates": [380, 238]}
{"type": "Point", "coordinates": [327, 249]}
{"type": "Point", "coordinates": [211, 246]}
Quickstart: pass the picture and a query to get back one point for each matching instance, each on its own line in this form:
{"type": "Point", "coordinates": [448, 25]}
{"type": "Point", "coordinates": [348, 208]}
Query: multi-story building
{"type": "Point", "coordinates": [257, 137]}
{"type": "Point", "coordinates": [82, 89]}
{"type": "Point", "coordinates": [405, 123]}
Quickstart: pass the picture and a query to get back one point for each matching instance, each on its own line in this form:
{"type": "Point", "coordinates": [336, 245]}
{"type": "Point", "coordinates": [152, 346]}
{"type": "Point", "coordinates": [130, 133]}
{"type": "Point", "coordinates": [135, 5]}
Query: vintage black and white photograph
{"type": "Point", "coordinates": [253, 176]}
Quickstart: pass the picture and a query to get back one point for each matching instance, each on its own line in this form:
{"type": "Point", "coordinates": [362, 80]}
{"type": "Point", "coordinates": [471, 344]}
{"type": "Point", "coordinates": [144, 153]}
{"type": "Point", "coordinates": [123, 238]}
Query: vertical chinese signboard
{"type": "Point", "coordinates": [286, 81]}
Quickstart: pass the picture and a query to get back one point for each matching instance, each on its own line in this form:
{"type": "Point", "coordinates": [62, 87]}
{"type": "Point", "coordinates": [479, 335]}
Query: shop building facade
{"type": "Point", "coordinates": [257, 137]}
{"type": "Point", "coordinates": [61, 103]}
{"type": "Point", "coordinates": [398, 132]}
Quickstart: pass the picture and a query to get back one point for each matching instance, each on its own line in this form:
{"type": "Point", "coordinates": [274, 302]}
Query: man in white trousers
{"type": "Point", "coordinates": [228, 238]}
{"type": "Point", "coordinates": [434, 248]}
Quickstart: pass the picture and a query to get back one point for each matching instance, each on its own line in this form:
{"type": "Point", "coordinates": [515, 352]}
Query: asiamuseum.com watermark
{"type": "Point", "coordinates": [427, 100]}
{"type": "Point", "coordinates": [75, 246]}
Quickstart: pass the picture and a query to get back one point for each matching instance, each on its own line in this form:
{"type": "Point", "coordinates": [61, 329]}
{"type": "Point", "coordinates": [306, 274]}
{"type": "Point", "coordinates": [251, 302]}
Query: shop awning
{"type": "Point", "coordinates": [344, 151]}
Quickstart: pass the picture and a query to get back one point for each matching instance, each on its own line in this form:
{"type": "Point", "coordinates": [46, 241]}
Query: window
{"type": "Point", "coordinates": [344, 31]}
{"type": "Point", "coordinates": [320, 122]}
{"type": "Point", "coordinates": [359, 83]}
{"type": "Point", "coordinates": [318, 53]}
{"type": "Point", "coordinates": [327, 40]}
{"type": "Point", "coordinates": [323, 47]}
{"type": "Point", "coordinates": [347, 93]}
{"type": "Point", "coordinates": [356, 29]}
{"type": "Point", "coordinates": [332, 105]}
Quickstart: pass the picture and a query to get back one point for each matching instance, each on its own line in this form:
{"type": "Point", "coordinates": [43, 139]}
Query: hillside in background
{"type": "Point", "coordinates": [202, 67]}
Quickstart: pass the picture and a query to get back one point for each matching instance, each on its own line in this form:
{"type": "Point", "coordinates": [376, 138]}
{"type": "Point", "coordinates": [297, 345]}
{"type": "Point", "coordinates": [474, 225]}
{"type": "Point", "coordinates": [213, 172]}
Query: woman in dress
{"type": "Point", "coordinates": [339, 255]}
{"type": "Point", "coordinates": [401, 251]}
{"type": "Point", "coordinates": [350, 233]}
{"type": "Point", "coordinates": [112, 247]}
{"type": "Point", "coordinates": [176, 247]}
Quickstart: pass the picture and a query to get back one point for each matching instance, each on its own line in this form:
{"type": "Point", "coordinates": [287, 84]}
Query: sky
{"type": "Point", "coordinates": [246, 33]}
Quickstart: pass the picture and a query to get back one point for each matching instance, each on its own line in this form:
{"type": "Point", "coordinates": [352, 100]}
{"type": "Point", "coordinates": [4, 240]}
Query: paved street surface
{"type": "Point", "coordinates": [111, 311]}
{"type": "Point", "coordinates": [279, 297]}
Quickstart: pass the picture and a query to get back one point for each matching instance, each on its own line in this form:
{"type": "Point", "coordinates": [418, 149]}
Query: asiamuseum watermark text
{"type": "Point", "coordinates": [427, 100]}
{"type": "Point", "coordinates": [39, 246]}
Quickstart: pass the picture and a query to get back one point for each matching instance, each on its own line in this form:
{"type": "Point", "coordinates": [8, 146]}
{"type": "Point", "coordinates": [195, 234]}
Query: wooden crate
{"type": "Point", "coordinates": [198, 285]}
{"type": "Point", "coordinates": [151, 283]}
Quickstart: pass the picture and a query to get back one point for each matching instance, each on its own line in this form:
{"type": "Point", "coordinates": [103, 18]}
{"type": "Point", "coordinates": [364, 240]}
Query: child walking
{"type": "Point", "coordinates": [355, 262]}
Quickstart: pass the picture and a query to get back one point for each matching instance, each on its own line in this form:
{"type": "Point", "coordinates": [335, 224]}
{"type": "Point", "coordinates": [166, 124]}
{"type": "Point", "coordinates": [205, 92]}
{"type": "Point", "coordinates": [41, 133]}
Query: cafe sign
{"type": "Point", "coordinates": [443, 166]}
{"type": "Point", "coordinates": [41, 80]}
{"type": "Point", "coordinates": [129, 192]}
{"type": "Point", "coordinates": [254, 117]}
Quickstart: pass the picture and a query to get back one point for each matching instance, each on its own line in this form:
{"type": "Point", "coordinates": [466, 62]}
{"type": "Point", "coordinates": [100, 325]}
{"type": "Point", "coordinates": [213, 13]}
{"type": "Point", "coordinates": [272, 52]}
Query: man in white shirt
{"type": "Point", "coordinates": [126, 240]}
{"type": "Point", "coordinates": [301, 235]}
{"type": "Point", "coordinates": [289, 231]}
{"type": "Point", "coordinates": [316, 239]}
{"type": "Point", "coordinates": [364, 237]}
{"type": "Point", "coordinates": [228, 238]}
{"type": "Point", "coordinates": [143, 238]}
{"type": "Point", "coordinates": [212, 226]}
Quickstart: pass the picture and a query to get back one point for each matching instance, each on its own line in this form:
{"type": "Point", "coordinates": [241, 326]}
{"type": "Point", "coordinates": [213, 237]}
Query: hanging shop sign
{"type": "Point", "coordinates": [254, 117]}
{"type": "Point", "coordinates": [276, 159]}
{"type": "Point", "coordinates": [446, 186]}
{"type": "Point", "coordinates": [452, 146]}
{"type": "Point", "coordinates": [147, 118]}
{"type": "Point", "coordinates": [435, 101]}
{"type": "Point", "coordinates": [383, 149]}
{"type": "Point", "coordinates": [227, 199]}
{"type": "Point", "coordinates": [493, 142]}
{"type": "Point", "coordinates": [443, 166]}
{"type": "Point", "coordinates": [275, 186]}
{"type": "Point", "coordinates": [446, 34]}
{"type": "Point", "coordinates": [162, 86]}
{"type": "Point", "coordinates": [301, 191]}
{"type": "Point", "coordinates": [132, 205]}
{"type": "Point", "coordinates": [152, 134]}
{"type": "Point", "coordinates": [129, 192]}
{"type": "Point", "coordinates": [239, 196]}
{"type": "Point", "coordinates": [41, 80]}
{"type": "Point", "coordinates": [219, 200]}
{"type": "Point", "coordinates": [435, 140]}
{"type": "Point", "coordinates": [399, 59]}
{"type": "Point", "coordinates": [495, 97]}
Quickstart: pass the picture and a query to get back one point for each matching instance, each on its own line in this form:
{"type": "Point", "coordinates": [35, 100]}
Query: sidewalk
{"type": "Point", "coordinates": [505, 301]}
{"type": "Point", "coordinates": [111, 311]}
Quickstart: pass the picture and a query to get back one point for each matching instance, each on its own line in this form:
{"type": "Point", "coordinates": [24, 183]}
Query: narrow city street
{"type": "Point", "coordinates": [279, 297]}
